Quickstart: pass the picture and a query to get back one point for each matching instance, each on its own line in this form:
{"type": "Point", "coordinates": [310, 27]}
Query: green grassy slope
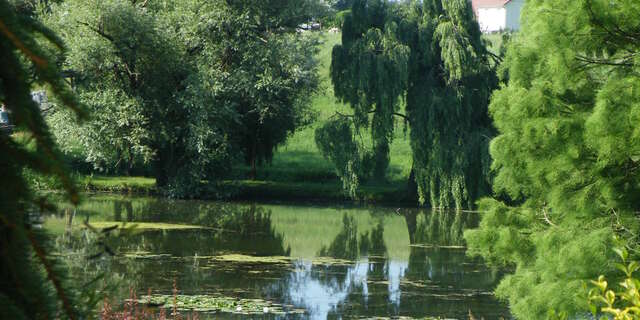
{"type": "Point", "coordinates": [299, 160]}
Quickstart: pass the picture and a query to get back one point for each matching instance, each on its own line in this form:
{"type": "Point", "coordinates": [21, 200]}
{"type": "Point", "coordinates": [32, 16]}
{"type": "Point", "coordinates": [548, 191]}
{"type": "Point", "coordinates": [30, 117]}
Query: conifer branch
{"type": "Point", "coordinates": [40, 253]}
{"type": "Point", "coordinates": [42, 63]}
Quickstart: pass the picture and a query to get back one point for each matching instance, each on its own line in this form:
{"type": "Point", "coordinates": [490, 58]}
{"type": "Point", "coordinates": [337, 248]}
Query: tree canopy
{"type": "Point", "coordinates": [566, 156]}
{"type": "Point", "coordinates": [264, 71]}
{"type": "Point", "coordinates": [429, 57]}
{"type": "Point", "coordinates": [185, 86]}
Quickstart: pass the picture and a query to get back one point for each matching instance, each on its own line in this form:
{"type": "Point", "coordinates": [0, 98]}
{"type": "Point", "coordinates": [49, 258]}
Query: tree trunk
{"type": "Point", "coordinates": [130, 161]}
{"type": "Point", "coordinates": [254, 170]}
{"type": "Point", "coordinates": [411, 218]}
{"type": "Point", "coordinates": [412, 186]}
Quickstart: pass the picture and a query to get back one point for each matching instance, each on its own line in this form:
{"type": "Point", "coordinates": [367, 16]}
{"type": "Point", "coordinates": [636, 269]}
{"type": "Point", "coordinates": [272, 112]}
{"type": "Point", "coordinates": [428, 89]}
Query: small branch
{"type": "Point", "coordinates": [373, 111]}
{"type": "Point", "coordinates": [98, 31]}
{"type": "Point", "coordinates": [546, 218]}
{"type": "Point", "coordinates": [622, 63]}
{"type": "Point", "coordinates": [496, 58]}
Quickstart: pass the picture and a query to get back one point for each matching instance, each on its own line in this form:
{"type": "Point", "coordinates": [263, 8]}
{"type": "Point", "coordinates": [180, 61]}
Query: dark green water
{"type": "Point", "coordinates": [327, 262]}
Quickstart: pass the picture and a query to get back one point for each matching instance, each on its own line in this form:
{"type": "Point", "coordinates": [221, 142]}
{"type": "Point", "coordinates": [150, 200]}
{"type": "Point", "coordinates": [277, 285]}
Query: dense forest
{"type": "Point", "coordinates": [536, 133]}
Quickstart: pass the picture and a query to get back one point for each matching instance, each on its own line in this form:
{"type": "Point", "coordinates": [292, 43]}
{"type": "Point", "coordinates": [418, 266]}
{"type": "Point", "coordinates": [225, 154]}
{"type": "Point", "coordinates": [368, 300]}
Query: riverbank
{"type": "Point", "coordinates": [328, 191]}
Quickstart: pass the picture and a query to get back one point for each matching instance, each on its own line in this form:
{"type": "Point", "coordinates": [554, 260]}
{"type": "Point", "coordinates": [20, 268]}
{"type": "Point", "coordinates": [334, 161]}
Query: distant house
{"type": "Point", "coordinates": [498, 15]}
{"type": "Point", "coordinates": [39, 97]}
{"type": "Point", "coordinates": [5, 125]}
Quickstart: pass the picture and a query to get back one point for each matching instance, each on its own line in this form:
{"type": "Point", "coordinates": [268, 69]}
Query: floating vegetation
{"type": "Point", "coordinates": [241, 258]}
{"type": "Point", "coordinates": [145, 255]}
{"type": "Point", "coordinates": [144, 225]}
{"type": "Point", "coordinates": [426, 245]}
{"type": "Point", "coordinates": [215, 304]}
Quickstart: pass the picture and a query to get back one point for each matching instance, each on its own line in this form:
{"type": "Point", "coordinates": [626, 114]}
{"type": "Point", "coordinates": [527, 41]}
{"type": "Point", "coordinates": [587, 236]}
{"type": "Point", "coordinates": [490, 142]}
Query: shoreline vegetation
{"type": "Point", "coordinates": [298, 171]}
{"type": "Point", "coordinates": [329, 191]}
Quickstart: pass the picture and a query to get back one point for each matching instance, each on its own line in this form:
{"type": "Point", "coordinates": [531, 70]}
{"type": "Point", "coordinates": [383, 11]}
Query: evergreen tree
{"type": "Point", "coordinates": [431, 54]}
{"type": "Point", "coordinates": [30, 285]}
{"type": "Point", "coordinates": [567, 152]}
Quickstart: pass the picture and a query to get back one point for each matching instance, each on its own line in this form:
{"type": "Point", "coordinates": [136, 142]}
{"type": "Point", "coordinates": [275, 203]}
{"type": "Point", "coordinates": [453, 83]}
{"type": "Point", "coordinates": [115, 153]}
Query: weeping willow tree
{"type": "Point", "coordinates": [429, 55]}
{"type": "Point", "coordinates": [30, 285]}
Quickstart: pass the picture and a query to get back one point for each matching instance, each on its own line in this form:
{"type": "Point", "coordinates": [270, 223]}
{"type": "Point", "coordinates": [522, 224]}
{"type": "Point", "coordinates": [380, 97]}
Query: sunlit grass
{"type": "Point", "coordinates": [106, 182]}
{"type": "Point", "coordinates": [299, 158]}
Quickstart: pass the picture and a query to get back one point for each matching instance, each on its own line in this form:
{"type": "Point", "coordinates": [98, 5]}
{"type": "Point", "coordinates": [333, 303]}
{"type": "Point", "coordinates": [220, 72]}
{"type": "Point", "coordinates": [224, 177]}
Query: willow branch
{"type": "Point", "coordinates": [372, 111]}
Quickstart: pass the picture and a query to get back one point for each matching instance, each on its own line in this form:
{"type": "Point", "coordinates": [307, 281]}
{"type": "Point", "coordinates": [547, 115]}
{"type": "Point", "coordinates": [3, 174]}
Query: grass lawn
{"type": "Point", "coordinates": [118, 184]}
{"type": "Point", "coordinates": [299, 160]}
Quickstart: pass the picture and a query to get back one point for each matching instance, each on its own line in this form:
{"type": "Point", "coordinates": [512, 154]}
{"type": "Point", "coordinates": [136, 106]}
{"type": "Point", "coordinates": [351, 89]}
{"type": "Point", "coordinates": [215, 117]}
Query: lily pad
{"type": "Point", "coordinates": [215, 303]}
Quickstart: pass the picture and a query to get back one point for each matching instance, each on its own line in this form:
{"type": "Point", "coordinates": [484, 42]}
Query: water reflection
{"type": "Point", "coordinates": [367, 262]}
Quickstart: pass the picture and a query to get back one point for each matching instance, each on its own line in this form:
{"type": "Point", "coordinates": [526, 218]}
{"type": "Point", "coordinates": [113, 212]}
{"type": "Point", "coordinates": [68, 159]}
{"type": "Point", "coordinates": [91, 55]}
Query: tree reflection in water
{"type": "Point", "coordinates": [437, 280]}
{"type": "Point", "coordinates": [370, 279]}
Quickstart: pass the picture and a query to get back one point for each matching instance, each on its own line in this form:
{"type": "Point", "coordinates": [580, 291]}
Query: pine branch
{"type": "Point", "coordinates": [40, 253]}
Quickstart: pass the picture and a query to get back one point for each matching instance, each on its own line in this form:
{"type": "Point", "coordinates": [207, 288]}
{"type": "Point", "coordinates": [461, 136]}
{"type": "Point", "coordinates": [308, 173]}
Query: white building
{"type": "Point", "coordinates": [498, 15]}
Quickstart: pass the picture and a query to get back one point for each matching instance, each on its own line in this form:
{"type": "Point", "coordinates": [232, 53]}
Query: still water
{"type": "Point", "coordinates": [293, 261]}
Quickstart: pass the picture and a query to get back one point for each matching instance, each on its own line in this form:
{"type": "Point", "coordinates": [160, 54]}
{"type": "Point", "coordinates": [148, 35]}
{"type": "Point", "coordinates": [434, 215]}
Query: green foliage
{"type": "Point", "coordinates": [369, 72]}
{"type": "Point", "coordinates": [431, 56]}
{"type": "Point", "coordinates": [264, 71]}
{"type": "Point", "coordinates": [565, 156]}
{"type": "Point", "coordinates": [186, 85]}
{"type": "Point", "coordinates": [341, 4]}
{"type": "Point", "coordinates": [335, 140]}
{"type": "Point", "coordinates": [450, 84]}
{"type": "Point", "coordinates": [31, 284]}
{"type": "Point", "coordinates": [149, 103]}
{"type": "Point", "coordinates": [623, 303]}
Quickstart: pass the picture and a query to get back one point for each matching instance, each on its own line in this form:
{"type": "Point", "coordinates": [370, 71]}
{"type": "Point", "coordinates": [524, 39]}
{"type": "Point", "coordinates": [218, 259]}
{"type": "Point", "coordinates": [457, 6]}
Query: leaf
{"type": "Point", "coordinates": [611, 297]}
{"type": "Point", "coordinates": [622, 252]}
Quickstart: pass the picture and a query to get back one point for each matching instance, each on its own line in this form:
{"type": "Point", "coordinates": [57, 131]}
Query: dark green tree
{"type": "Point", "coordinates": [150, 102]}
{"type": "Point", "coordinates": [429, 55]}
{"type": "Point", "coordinates": [341, 4]}
{"type": "Point", "coordinates": [31, 287]}
{"type": "Point", "coordinates": [264, 70]}
{"type": "Point", "coordinates": [567, 153]}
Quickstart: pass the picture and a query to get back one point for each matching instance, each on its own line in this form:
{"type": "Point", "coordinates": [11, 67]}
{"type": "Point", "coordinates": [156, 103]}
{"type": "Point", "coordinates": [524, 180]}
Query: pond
{"type": "Point", "coordinates": [238, 260]}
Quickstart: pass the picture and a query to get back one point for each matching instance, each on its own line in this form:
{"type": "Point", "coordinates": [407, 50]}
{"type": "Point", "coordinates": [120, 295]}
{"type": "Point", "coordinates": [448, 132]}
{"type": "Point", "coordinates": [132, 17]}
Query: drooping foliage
{"type": "Point", "coordinates": [337, 144]}
{"type": "Point", "coordinates": [31, 286]}
{"type": "Point", "coordinates": [450, 82]}
{"type": "Point", "coordinates": [430, 56]}
{"type": "Point", "coordinates": [369, 71]}
{"type": "Point", "coordinates": [567, 152]}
